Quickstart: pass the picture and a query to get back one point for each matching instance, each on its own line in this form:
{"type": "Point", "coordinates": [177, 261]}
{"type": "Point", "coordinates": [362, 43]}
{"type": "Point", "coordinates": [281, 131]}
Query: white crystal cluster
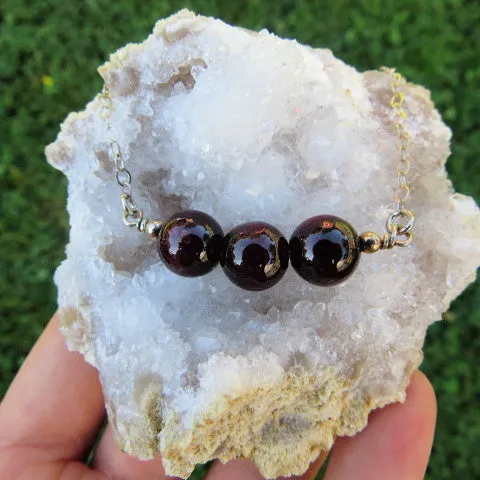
{"type": "Point", "coordinates": [248, 126]}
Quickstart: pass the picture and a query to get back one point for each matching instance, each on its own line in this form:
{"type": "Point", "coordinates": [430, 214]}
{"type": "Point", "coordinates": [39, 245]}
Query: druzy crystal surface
{"type": "Point", "coordinates": [249, 127]}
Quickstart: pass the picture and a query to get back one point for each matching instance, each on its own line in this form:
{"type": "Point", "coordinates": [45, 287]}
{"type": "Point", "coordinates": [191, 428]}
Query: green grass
{"type": "Point", "coordinates": [435, 43]}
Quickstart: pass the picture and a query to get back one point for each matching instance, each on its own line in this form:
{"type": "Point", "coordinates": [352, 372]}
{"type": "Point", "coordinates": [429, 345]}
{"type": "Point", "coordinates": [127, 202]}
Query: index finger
{"type": "Point", "coordinates": [396, 443]}
{"type": "Point", "coordinates": [55, 406]}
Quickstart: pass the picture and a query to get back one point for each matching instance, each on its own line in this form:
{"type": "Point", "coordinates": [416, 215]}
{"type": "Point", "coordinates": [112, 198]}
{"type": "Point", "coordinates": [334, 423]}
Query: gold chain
{"type": "Point", "coordinates": [399, 223]}
{"type": "Point", "coordinates": [132, 215]}
{"type": "Point", "coordinates": [402, 191]}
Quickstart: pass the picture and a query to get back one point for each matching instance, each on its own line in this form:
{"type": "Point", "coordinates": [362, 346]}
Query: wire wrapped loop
{"type": "Point", "coordinates": [397, 229]}
{"type": "Point", "coordinates": [132, 215]}
{"type": "Point", "coordinates": [391, 239]}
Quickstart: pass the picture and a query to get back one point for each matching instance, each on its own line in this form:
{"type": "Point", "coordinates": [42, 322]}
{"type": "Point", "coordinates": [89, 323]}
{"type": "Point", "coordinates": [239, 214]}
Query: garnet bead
{"type": "Point", "coordinates": [255, 256]}
{"type": "Point", "coordinates": [190, 243]}
{"type": "Point", "coordinates": [324, 250]}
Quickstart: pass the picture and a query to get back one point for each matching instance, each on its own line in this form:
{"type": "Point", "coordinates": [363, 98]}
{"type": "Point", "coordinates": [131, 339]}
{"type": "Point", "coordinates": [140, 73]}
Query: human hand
{"type": "Point", "coordinates": [54, 409]}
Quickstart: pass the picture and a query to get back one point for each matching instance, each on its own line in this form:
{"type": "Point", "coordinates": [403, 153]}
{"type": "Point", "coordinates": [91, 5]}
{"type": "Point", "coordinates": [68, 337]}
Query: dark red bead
{"type": "Point", "coordinates": [190, 243]}
{"type": "Point", "coordinates": [255, 256]}
{"type": "Point", "coordinates": [324, 250]}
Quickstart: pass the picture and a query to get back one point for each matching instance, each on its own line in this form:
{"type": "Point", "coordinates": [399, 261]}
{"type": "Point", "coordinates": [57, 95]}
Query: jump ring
{"type": "Point", "coordinates": [401, 229]}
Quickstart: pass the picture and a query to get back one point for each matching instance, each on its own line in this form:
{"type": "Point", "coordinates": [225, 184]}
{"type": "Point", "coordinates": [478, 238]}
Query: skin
{"type": "Point", "coordinates": [54, 408]}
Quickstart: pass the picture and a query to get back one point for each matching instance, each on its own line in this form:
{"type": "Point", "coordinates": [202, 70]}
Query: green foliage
{"type": "Point", "coordinates": [49, 51]}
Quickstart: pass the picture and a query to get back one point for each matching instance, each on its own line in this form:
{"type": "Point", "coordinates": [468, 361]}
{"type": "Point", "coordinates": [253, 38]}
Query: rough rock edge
{"type": "Point", "coordinates": [252, 425]}
{"type": "Point", "coordinates": [77, 331]}
{"type": "Point", "coordinates": [257, 424]}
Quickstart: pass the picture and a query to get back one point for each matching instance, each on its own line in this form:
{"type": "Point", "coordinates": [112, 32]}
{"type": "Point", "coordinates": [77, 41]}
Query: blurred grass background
{"type": "Point", "coordinates": [49, 51]}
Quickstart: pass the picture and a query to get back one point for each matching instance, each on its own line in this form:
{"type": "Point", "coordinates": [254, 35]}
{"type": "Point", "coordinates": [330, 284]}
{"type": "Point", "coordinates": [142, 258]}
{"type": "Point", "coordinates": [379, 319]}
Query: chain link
{"type": "Point", "coordinates": [132, 215]}
{"type": "Point", "coordinates": [401, 221]}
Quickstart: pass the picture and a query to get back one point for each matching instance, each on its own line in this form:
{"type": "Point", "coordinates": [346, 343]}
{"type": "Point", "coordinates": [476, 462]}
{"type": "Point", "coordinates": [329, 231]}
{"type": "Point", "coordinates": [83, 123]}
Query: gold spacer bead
{"type": "Point", "coordinates": [369, 242]}
{"type": "Point", "coordinates": [153, 228]}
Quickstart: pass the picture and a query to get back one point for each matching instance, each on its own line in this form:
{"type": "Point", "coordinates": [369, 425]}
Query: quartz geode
{"type": "Point", "coordinates": [247, 126]}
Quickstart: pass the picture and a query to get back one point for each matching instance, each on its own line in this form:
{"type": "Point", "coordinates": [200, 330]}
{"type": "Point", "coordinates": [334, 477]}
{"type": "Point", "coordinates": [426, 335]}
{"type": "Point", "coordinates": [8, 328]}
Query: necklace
{"type": "Point", "coordinates": [324, 250]}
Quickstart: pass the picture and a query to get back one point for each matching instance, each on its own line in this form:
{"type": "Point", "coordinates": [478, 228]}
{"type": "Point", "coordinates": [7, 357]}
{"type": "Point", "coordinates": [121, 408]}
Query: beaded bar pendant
{"type": "Point", "coordinates": [323, 250]}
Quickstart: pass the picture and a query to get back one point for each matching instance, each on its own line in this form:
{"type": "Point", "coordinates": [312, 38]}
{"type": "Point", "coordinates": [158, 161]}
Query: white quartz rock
{"type": "Point", "coordinates": [248, 126]}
